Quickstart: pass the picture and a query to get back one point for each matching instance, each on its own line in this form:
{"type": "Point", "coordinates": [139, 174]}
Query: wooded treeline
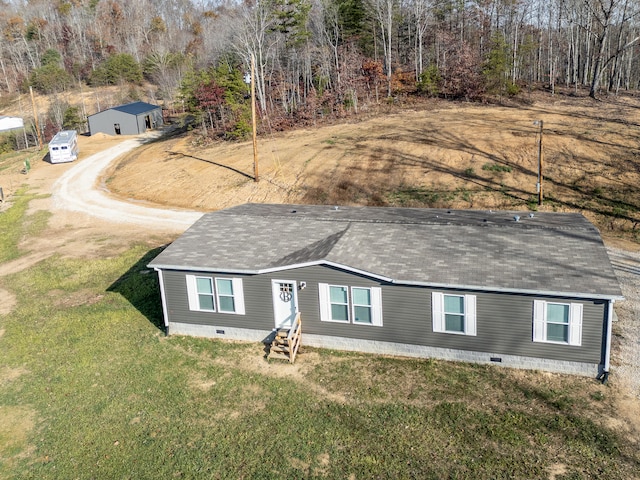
{"type": "Point", "coordinates": [316, 57]}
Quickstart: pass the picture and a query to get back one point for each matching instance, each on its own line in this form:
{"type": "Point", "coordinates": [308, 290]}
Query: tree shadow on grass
{"type": "Point", "coordinates": [139, 285]}
{"type": "Point", "coordinates": [240, 172]}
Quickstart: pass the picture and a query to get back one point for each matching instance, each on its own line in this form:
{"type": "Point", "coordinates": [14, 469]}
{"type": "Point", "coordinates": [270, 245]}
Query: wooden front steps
{"type": "Point", "coordinates": [287, 341]}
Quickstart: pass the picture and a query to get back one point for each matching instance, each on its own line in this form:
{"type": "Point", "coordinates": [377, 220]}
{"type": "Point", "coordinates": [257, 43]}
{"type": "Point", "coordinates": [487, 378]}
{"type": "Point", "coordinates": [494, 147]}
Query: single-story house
{"type": "Point", "coordinates": [527, 290]}
{"type": "Point", "coordinates": [130, 119]}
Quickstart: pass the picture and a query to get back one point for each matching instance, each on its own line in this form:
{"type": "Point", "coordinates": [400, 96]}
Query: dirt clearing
{"type": "Point", "coordinates": [441, 154]}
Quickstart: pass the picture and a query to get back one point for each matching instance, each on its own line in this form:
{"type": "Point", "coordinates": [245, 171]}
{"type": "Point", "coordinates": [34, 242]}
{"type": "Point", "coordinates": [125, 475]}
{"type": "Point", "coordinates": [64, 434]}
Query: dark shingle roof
{"type": "Point", "coordinates": [553, 253]}
{"type": "Point", "coordinates": [135, 108]}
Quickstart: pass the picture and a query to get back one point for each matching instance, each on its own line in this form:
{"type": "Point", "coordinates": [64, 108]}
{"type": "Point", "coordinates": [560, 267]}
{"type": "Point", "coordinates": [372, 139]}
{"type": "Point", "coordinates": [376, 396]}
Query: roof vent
{"type": "Point", "coordinates": [294, 211]}
{"type": "Point", "coordinates": [517, 218]}
{"type": "Point", "coordinates": [336, 208]}
{"type": "Point", "coordinates": [531, 215]}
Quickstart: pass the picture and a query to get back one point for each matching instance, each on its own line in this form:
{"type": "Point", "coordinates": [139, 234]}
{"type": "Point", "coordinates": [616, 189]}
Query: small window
{"type": "Point", "coordinates": [358, 305]}
{"type": "Point", "coordinates": [206, 294]}
{"type": "Point", "coordinates": [339, 299]}
{"type": "Point", "coordinates": [226, 302]}
{"type": "Point", "coordinates": [54, 148]}
{"type": "Point", "coordinates": [64, 147]}
{"type": "Point", "coordinates": [453, 313]}
{"type": "Point", "coordinates": [204, 289]}
{"type": "Point", "coordinates": [362, 307]}
{"type": "Point", "coordinates": [555, 322]}
{"type": "Point", "coordinates": [558, 322]}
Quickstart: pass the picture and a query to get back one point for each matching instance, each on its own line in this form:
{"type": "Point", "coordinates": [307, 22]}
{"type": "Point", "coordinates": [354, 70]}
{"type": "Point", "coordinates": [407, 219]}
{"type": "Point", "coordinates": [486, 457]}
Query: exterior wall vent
{"type": "Point", "coordinates": [496, 359]}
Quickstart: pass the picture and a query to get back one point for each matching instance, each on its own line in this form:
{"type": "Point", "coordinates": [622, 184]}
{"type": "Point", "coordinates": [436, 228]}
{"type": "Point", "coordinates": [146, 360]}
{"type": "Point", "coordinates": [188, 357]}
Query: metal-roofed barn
{"type": "Point", "coordinates": [518, 289]}
{"type": "Point", "coordinates": [130, 119]}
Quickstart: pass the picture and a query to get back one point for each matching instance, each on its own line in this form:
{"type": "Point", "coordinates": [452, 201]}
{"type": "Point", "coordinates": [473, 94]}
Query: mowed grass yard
{"type": "Point", "coordinates": [91, 388]}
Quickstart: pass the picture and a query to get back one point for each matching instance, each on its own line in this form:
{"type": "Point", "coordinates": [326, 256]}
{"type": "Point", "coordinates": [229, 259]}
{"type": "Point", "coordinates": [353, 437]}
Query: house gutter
{"type": "Point", "coordinates": [604, 375]}
{"type": "Point", "coordinates": [163, 297]}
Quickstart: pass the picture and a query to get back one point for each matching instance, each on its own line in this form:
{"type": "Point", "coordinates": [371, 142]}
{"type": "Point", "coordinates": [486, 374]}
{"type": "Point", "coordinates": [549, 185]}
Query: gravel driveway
{"type": "Point", "coordinates": [77, 190]}
{"type": "Point", "coordinates": [626, 351]}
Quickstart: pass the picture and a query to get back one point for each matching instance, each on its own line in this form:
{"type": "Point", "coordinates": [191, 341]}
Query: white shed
{"type": "Point", "coordinates": [10, 123]}
{"type": "Point", "coordinates": [64, 147]}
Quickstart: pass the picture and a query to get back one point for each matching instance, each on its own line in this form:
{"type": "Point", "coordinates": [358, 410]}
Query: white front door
{"type": "Point", "coordinates": [285, 302]}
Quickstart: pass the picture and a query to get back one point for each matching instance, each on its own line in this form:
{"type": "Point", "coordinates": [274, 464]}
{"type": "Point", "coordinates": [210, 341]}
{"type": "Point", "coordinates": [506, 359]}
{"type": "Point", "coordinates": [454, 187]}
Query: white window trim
{"type": "Point", "coordinates": [192, 293]}
{"type": "Point", "coordinates": [438, 317]}
{"type": "Point", "coordinates": [325, 301]}
{"type": "Point", "coordinates": [238, 295]}
{"type": "Point", "coordinates": [540, 323]}
{"type": "Point", "coordinates": [325, 305]}
{"type": "Point", "coordinates": [194, 303]}
{"type": "Point", "coordinates": [353, 305]}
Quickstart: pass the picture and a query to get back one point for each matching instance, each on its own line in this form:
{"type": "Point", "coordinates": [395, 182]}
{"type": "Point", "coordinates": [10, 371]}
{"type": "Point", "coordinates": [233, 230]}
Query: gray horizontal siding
{"type": "Point", "coordinates": [504, 321]}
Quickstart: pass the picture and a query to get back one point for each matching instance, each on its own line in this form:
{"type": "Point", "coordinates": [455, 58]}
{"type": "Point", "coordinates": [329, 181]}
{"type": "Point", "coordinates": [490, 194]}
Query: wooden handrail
{"type": "Point", "coordinates": [294, 337]}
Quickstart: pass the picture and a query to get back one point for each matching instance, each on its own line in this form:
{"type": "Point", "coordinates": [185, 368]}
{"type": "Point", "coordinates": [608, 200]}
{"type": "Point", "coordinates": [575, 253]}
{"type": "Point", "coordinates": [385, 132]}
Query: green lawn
{"type": "Point", "coordinates": [91, 388]}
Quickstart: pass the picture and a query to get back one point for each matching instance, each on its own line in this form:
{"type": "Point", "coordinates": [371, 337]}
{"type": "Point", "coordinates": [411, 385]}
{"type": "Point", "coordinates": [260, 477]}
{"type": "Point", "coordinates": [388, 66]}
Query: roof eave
{"type": "Point", "coordinates": [482, 288]}
{"type": "Point", "coordinates": [521, 291]}
{"type": "Point", "coordinates": [270, 269]}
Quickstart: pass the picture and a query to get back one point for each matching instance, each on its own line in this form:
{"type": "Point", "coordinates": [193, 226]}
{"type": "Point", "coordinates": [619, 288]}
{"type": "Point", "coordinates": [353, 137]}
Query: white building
{"type": "Point", "coordinates": [10, 123]}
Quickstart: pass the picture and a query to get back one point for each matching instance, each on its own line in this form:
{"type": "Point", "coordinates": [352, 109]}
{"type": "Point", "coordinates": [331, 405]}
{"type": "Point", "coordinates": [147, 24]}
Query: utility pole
{"type": "Point", "coordinates": [35, 117]}
{"type": "Point", "coordinates": [539, 185]}
{"type": "Point", "coordinates": [253, 119]}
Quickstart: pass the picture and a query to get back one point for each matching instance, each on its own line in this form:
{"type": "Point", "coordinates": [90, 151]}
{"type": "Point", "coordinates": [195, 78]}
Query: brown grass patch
{"type": "Point", "coordinates": [74, 299]}
{"type": "Point", "coordinates": [16, 426]}
{"type": "Point", "coordinates": [8, 374]}
{"type": "Point", "coordinates": [7, 302]}
{"type": "Point", "coordinates": [557, 469]}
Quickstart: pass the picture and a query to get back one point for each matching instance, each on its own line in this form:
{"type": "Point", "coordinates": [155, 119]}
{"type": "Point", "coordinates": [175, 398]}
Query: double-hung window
{"type": "Point", "coordinates": [556, 322]}
{"type": "Point", "coordinates": [209, 294]}
{"type": "Point", "coordinates": [358, 305]}
{"type": "Point", "coordinates": [453, 313]}
{"type": "Point", "coordinates": [204, 292]}
{"type": "Point", "coordinates": [225, 295]}
{"type": "Point", "coordinates": [339, 303]}
{"type": "Point", "coordinates": [362, 306]}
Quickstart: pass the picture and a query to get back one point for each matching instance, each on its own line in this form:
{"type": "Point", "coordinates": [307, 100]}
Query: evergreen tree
{"type": "Point", "coordinates": [497, 66]}
{"type": "Point", "coordinates": [118, 68]}
{"type": "Point", "coordinates": [50, 78]}
{"type": "Point", "coordinates": [72, 119]}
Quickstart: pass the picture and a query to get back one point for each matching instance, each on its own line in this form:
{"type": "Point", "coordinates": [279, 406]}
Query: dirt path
{"type": "Point", "coordinates": [77, 190]}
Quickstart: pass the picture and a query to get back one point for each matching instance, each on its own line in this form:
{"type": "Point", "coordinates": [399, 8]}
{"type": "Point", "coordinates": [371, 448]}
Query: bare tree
{"type": "Point", "coordinates": [383, 11]}
{"type": "Point", "coordinates": [608, 14]}
{"type": "Point", "coordinates": [254, 39]}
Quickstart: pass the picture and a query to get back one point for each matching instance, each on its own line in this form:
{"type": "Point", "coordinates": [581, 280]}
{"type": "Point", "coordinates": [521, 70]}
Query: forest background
{"type": "Point", "coordinates": [314, 59]}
